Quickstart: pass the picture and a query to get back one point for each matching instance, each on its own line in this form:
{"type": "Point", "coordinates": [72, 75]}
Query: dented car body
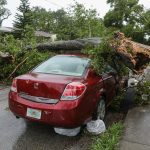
{"type": "Point", "coordinates": [64, 91]}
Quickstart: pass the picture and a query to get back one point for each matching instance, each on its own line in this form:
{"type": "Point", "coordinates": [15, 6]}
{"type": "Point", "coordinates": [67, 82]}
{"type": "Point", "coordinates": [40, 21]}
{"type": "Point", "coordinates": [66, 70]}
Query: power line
{"type": "Point", "coordinates": [53, 3]}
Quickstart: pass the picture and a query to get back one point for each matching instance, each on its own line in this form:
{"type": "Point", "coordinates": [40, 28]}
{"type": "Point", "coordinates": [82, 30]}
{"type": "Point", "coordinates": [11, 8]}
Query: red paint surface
{"type": "Point", "coordinates": [65, 113]}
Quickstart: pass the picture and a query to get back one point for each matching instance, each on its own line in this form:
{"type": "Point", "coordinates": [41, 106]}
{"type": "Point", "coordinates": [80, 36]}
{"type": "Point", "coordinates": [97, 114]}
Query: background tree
{"type": "Point", "coordinates": [43, 19]}
{"type": "Point", "coordinates": [63, 25]}
{"type": "Point", "coordinates": [24, 17]}
{"type": "Point", "coordinates": [4, 12]}
{"type": "Point", "coordinates": [52, 21]}
{"type": "Point", "coordinates": [75, 22]}
{"type": "Point", "coordinates": [125, 15]}
{"type": "Point", "coordinates": [86, 21]}
{"type": "Point", "coordinates": [145, 18]}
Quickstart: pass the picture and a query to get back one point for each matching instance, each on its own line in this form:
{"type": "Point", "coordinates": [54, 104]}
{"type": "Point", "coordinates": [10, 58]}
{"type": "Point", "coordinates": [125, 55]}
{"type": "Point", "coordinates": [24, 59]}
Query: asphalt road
{"type": "Point", "coordinates": [18, 134]}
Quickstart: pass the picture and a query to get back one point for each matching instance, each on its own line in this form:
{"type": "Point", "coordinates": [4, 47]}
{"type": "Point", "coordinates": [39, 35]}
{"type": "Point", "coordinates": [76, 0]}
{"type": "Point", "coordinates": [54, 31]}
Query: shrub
{"type": "Point", "coordinates": [143, 92]}
{"type": "Point", "coordinates": [118, 100]}
{"type": "Point", "coordinates": [109, 139]}
{"type": "Point", "coordinates": [17, 48]}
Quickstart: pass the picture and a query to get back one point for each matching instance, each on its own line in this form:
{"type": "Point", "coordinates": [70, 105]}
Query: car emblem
{"type": "Point", "coordinates": [27, 81]}
{"type": "Point", "coordinates": [36, 86]}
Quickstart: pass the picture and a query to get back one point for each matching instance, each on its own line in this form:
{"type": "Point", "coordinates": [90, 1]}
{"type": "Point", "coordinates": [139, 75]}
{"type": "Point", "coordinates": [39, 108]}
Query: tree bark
{"type": "Point", "coordinates": [134, 55]}
{"type": "Point", "coordinates": [70, 45]}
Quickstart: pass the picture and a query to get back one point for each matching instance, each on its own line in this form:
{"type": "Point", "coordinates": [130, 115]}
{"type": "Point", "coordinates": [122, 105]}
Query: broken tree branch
{"type": "Point", "coordinates": [17, 68]}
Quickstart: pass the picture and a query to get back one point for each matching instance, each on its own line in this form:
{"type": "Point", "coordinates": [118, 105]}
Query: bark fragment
{"type": "Point", "coordinates": [5, 57]}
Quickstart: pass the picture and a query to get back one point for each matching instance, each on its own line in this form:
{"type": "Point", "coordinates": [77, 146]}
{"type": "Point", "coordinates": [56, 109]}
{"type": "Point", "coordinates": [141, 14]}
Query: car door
{"type": "Point", "coordinates": [109, 85]}
{"type": "Point", "coordinates": [94, 83]}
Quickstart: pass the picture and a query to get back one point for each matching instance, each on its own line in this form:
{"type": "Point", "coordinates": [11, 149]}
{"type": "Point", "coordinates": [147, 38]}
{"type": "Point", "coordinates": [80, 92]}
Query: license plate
{"type": "Point", "coordinates": [34, 113]}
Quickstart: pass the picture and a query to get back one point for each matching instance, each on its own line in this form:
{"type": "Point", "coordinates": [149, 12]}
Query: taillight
{"type": "Point", "coordinates": [14, 86]}
{"type": "Point", "coordinates": [73, 91]}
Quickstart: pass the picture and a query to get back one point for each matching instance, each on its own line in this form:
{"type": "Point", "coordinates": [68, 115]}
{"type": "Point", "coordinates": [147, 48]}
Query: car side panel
{"type": "Point", "coordinates": [109, 86]}
{"type": "Point", "coordinates": [94, 90]}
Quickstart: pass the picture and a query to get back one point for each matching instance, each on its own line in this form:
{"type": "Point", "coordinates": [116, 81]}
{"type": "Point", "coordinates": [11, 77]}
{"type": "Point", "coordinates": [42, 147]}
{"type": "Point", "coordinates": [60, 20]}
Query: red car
{"type": "Point", "coordinates": [63, 91]}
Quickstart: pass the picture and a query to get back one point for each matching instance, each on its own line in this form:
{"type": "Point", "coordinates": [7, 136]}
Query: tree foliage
{"type": "Point", "coordinates": [42, 19]}
{"type": "Point", "coordinates": [24, 16]}
{"type": "Point", "coordinates": [145, 18]}
{"type": "Point", "coordinates": [4, 12]}
{"type": "Point", "coordinates": [104, 56]}
{"type": "Point", "coordinates": [52, 21]}
{"type": "Point", "coordinates": [17, 49]}
{"type": "Point", "coordinates": [75, 22]}
{"type": "Point", "coordinates": [123, 12]}
{"type": "Point", "coordinates": [128, 16]}
{"type": "Point", "coordinates": [72, 23]}
{"type": "Point", "coordinates": [86, 23]}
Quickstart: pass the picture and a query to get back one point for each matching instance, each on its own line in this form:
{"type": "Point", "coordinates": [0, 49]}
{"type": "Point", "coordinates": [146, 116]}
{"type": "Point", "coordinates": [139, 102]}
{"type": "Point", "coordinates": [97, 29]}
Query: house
{"type": "Point", "coordinates": [40, 35]}
{"type": "Point", "coordinates": [7, 29]}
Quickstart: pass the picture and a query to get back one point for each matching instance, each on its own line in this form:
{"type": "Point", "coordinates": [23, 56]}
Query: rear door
{"type": "Point", "coordinates": [109, 85]}
{"type": "Point", "coordinates": [94, 84]}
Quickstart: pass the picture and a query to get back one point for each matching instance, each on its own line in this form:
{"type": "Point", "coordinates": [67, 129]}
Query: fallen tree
{"type": "Point", "coordinates": [70, 45]}
{"type": "Point", "coordinates": [134, 55]}
{"type": "Point", "coordinates": [120, 49]}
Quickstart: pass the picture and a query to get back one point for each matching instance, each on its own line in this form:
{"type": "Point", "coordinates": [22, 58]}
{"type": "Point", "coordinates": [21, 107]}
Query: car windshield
{"type": "Point", "coordinates": [63, 65]}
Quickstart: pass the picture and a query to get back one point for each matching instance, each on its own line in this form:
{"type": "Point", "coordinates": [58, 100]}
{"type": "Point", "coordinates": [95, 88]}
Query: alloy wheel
{"type": "Point", "coordinates": [101, 110]}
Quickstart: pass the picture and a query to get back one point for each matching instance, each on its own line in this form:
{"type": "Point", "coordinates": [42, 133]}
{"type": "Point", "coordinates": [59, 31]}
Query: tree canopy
{"type": "Point", "coordinates": [4, 12]}
{"type": "Point", "coordinates": [75, 22]}
{"type": "Point", "coordinates": [127, 16]}
{"type": "Point", "coordinates": [24, 15]}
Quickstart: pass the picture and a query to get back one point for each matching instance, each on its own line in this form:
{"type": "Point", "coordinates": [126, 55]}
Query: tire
{"type": "Point", "coordinates": [101, 110]}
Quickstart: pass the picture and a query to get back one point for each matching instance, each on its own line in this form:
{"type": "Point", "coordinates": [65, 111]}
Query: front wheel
{"type": "Point", "coordinates": [101, 110]}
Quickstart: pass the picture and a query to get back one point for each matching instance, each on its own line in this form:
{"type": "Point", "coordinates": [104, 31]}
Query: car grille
{"type": "Point", "coordinates": [38, 99]}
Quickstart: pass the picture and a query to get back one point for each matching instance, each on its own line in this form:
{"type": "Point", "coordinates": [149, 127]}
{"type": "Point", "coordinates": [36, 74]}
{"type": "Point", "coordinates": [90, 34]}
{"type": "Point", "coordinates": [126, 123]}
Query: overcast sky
{"type": "Point", "coordinates": [100, 5]}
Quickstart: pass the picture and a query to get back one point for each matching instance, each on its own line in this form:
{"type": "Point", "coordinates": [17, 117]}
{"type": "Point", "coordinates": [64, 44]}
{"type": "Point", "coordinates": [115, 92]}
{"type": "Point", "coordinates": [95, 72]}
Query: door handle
{"type": "Point", "coordinates": [107, 78]}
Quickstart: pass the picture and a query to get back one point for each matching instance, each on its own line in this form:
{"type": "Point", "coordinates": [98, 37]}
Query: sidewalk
{"type": "Point", "coordinates": [137, 130]}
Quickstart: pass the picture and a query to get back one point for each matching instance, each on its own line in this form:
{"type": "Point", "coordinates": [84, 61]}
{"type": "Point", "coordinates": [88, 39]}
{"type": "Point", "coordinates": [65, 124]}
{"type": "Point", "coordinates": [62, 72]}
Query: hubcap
{"type": "Point", "coordinates": [101, 110]}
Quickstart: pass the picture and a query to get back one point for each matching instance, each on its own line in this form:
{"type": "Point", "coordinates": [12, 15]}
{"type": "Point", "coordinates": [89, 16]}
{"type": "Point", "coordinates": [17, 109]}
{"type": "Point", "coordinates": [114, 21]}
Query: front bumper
{"type": "Point", "coordinates": [63, 114]}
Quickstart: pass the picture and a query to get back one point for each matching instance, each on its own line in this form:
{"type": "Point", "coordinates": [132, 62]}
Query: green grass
{"type": "Point", "coordinates": [108, 140]}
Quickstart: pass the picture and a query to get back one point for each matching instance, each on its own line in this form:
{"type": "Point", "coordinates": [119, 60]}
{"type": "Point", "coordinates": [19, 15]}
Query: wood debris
{"type": "Point", "coordinates": [134, 55]}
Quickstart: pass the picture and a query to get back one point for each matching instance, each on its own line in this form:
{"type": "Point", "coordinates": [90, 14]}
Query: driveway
{"type": "Point", "coordinates": [18, 134]}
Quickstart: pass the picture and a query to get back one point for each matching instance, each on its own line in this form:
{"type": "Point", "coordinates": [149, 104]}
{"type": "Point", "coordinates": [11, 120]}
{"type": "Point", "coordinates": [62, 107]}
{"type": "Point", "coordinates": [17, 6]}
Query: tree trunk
{"type": "Point", "coordinates": [70, 45]}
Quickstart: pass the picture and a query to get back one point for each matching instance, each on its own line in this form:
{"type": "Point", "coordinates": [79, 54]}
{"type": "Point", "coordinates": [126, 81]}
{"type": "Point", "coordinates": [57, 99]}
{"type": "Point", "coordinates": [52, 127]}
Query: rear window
{"type": "Point", "coordinates": [63, 65]}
